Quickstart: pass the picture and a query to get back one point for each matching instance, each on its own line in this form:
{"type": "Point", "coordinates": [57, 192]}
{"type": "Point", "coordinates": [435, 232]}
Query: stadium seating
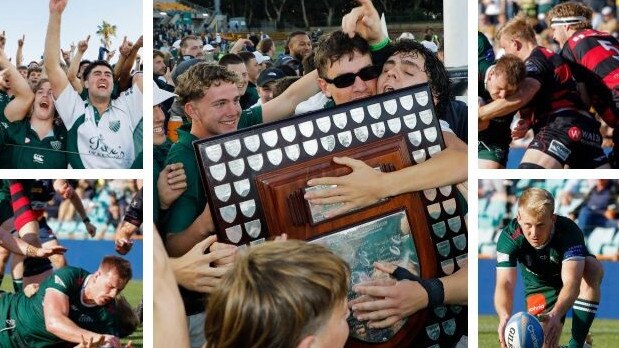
{"type": "Point", "coordinates": [598, 237]}
{"type": "Point", "coordinates": [611, 250]}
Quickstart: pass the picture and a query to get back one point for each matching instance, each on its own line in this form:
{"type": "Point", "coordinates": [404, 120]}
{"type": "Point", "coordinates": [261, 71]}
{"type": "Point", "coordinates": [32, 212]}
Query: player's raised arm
{"type": "Point", "coordinates": [56, 75]}
{"type": "Point", "coordinates": [19, 107]}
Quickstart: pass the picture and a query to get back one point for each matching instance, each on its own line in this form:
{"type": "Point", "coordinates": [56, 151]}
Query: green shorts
{"type": "Point", "coordinates": [492, 152]}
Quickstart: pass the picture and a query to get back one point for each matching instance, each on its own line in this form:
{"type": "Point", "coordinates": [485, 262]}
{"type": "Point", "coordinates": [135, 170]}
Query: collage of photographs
{"type": "Point", "coordinates": [307, 182]}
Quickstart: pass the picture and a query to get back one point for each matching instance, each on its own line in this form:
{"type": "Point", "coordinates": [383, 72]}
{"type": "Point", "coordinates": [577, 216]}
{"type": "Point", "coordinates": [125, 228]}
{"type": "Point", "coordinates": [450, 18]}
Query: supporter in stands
{"type": "Point", "coordinates": [34, 75]}
{"type": "Point", "coordinates": [253, 71]}
{"type": "Point", "coordinates": [236, 64]}
{"type": "Point", "coordinates": [282, 84]}
{"type": "Point", "coordinates": [298, 46]}
{"type": "Point", "coordinates": [266, 81]}
{"type": "Point", "coordinates": [266, 46]}
{"type": "Point", "coordinates": [599, 207]}
{"type": "Point", "coordinates": [190, 47]}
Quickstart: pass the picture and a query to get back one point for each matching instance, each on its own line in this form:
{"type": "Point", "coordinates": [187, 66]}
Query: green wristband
{"type": "Point", "coordinates": [379, 45]}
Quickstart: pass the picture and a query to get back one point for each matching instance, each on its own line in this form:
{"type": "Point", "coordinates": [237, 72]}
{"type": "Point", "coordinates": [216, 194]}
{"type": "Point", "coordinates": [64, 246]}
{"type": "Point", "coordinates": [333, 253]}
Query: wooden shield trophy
{"type": "Point", "coordinates": [255, 180]}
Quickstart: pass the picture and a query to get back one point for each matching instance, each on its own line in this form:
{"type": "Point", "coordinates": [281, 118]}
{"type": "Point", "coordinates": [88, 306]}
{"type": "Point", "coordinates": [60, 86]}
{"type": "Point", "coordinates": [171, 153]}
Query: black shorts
{"type": "Point", "coordinates": [570, 138]}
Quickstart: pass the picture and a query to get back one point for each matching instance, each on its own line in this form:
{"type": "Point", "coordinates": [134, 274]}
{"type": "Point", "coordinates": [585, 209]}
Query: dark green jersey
{"type": "Point", "coordinates": [485, 59]}
{"type": "Point", "coordinates": [498, 132]}
{"type": "Point", "coordinates": [28, 151]}
{"type": "Point", "coordinates": [5, 156]}
{"type": "Point", "coordinates": [160, 153]}
{"type": "Point", "coordinates": [26, 314]}
{"type": "Point", "coordinates": [541, 268]}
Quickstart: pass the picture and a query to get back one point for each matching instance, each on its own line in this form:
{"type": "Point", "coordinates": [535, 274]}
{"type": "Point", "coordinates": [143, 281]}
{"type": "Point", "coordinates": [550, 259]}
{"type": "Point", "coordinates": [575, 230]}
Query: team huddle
{"type": "Point", "coordinates": [562, 97]}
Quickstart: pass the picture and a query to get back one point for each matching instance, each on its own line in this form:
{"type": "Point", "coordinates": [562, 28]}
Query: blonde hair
{"type": "Point", "coordinates": [571, 9]}
{"type": "Point", "coordinates": [537, 202]}
{"type": "Point", "coordinates": [517, 28]}
{"type": "Point", "coordinates": [276, 294]}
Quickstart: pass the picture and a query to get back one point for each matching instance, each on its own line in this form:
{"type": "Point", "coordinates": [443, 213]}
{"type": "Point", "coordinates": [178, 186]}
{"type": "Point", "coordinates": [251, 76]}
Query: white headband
{"type": "Point", "coordinates": [567, 20]}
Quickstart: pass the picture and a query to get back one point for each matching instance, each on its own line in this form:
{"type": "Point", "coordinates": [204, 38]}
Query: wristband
{"type": "Point", "coordinates": [86, 220]}
{"type": "Point", "coordinates": [380, 45]}
{"type": "Point", "coordinates": [402, 273]}
{"type": "Point", "coordinates": [435, 290]}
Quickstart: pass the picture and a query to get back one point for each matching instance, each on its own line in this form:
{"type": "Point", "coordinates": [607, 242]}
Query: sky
{"type": "Point", "coordinates": [80, 18]}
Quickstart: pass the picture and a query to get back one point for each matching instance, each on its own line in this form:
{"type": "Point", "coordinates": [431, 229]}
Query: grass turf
{"type": "Point", "coordinates": [132, 292]}
{"type": "Point", "coordinates": [605, 332]}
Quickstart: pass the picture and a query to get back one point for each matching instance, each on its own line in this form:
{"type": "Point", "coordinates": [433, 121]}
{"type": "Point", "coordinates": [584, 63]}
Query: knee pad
{"type": "Point", "coordinates": [36, 265]}
{"type": "Point", "coordinates": [526, 165]}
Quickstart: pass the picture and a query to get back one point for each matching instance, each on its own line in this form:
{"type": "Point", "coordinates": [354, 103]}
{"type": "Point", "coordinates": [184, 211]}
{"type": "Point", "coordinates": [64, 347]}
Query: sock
{"type": "Point", "coordinates": [583, 314]}
{"type": "Point", "coordinates": [21, 205]}
{"type": "Point", "coordinates": [18, 285]}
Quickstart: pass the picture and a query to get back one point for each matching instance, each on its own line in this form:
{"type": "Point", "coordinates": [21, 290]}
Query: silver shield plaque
{"type": "Point", "coordinates": [293, 152]}
{"type": "Point", "coordinates": [375, 110]}
{"type": "Point", "coordinates": [253, 228]}
{"type": "Point", "coordinates": [310, 147]}
{"type": "Point", "coordinates": [289, 133]}
{"type": "Point", "coordinates": [419, 156]}
{"type": "Point", "coordinates": [345, 138]}
{"type": "Point", "coordinates": [426, 116]}
{"type": "Point", "coordinates": [306, 128]}
{"type": "Point", "coordinates": [218, 171]}
{"type": "Point", "coordinates": [237, 167]}
{"type": "Point", "coordinates": [422, 98]}
{"type": "Point", "coordinates": [460, 241]}
{"type": "Point", "coordinates": [357, 114]}
{"type": "Point", "coordinates": [444, 248]}
{"type": "Point", "coordinates": [450, 206]}
{"type": "Point", "coordinates": [248, 208]}
{"type": "Point", "coordinates": [407, 102]}
{"type": "Point", "coordinates": [362, 133]}
{"type": "Point", "coordinates": [328, 142]}
{"type": "Point", "coordinates": [378, 129]}
{"type": "Point", "coordinates": [270, 138]}
{"type": "Point", "coordinates": [447, 266]}
{"type": "Point", "coordinates": [394, 125]}
{"type": "Point", "coordinates": [213, 152]}
{"type": "Point", "coordinates": [391, 106]}
{"type": "Point", "coordinates": [340, 120]}
{"type": "Point", "coordinates": [234, 233]}
{"type": "Point", "coordinates": [324, 124]}
{"type": "Point", "coordinates": [439, 229]}
{"type": "Point", "coordinates": [430, 134]}
{"type": "Point", "coordinates": [255, 162]}
{"type": "Point", "coordinates": [415, 138]}
{"type": "Point", "coordinates": [252, 142]}
{"type": "Point", "coordinates": [242, 187]}
{"type": "Point", "coordinates": [445, 190]}
{"type": "Point", "coordinates": [228, 213]}
{"type": "Point", "coordinates": [434, 210]}
{"type": "Point", "coordinates": [410, 121]}
{"type": "Point", "coordinates": [433, 150]}
{"type": "Point", "coordinates": [233, 147]}
{"type": "Point", "coordinates": [275, 156]}
{"type": "Point", "coordinates": [223, 192]}
{"type": "Point", "coordinates": [430, 194]}
{"type": "Point", "coordinates": [454, 223]}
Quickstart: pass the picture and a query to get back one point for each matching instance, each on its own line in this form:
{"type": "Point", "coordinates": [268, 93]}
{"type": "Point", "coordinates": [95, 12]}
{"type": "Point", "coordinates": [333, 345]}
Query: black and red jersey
{"type": "Point", "coordinates": [558, 89]}
{"type": "Point", "coordinates": [597, 51]}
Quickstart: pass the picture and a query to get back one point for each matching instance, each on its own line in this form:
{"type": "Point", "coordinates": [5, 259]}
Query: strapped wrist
{"type": "Point", "coordinates": [435, 290]}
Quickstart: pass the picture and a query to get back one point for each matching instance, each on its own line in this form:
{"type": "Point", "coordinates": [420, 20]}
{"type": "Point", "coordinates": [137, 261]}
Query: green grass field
{"type": "Point", "coordinates": [605, 332]}
{"type": "Point", "coordinates": [132, 292]}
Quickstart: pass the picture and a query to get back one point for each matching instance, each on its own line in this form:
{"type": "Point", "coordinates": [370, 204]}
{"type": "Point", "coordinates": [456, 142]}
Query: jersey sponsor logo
{"type": "Point", "coordinates": [574, 133]}
{"type": "Point", "coordinates": [114, 126]}
{"type": "Point", "coordinates": [38, 158]}
{"type": "Point", "coordinates": [575, 251]}
{"type": "Point", "coordinates": [4, 124]}
{"type": "Point", "coordinates": [557, 148]}
{"type": "Point", "coordinates": [536, 304]}
{"type": "Point", "coordinates": [502, 257]}
{"type": "Point", "coordinates": [99, 148]}
{"type": "Point", "coordinates": [59, 281]}
{"type": "Point", "coordinates": [55, 144]}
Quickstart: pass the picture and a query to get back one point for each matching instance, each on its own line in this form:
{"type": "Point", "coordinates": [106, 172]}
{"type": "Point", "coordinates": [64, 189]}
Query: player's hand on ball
{"type": "Point", "coordinates": [90, 342]}
{"type": "Point", "coordinates": [502, 323]}
{"type": "Point", "coordinates": [552, 330]}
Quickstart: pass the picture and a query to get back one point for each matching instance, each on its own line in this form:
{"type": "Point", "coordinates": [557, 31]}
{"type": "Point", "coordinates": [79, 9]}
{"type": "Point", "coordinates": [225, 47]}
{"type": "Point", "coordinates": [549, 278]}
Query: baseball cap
{"type": "Point", "coordinates": [208, 47]}
{"type": "Point", "coordinates": [287, 60]}
{"type": "Point", "coordinates": [269, 75]}
{"type": "Point", "coordinates": [431, 46]}
{"type": "Point", "coordinates": [160, 95]}
{"type": "Point", "coordinates": [260, 58]}
{"type": "Point", "coordinates": [607, 10]}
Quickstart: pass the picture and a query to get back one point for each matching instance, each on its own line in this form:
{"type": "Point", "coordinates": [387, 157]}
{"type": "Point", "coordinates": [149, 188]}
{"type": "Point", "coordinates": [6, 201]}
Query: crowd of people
{"type": "Point", "coordinates": [198, 95]}
{"type": "Point", "coordinates": [546, 83]}
{"type": "Point", "coordinates": [65, 112]}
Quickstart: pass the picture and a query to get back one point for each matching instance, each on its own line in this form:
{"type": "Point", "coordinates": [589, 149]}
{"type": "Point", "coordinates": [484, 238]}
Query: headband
{"type": "Point", "coordinates": [567, 20]}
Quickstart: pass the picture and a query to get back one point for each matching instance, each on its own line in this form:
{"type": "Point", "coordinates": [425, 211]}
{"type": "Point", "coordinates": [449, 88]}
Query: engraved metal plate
{"type": "Point", "coordinates": [306, 128]}
{"type": "Point", "coordinates": [362, 133]}
{"type": "Point", "coordinates": [357, 114]}
{"type": "Point", "coordinates": [450, 206]}
{"type": "Point", "coordinates": [318, 212]}
{"type": "Point", "coordinates": [434, 210]}
{"type": "Point", "coordinates": [430, 194]}
{"type": "Point", "coordinates": [223, 192]}
{"type": "Point", "coordinates": [241, 187]}
{"type": "Point", "coordinates": [430, 134]}
{"type": "Point", "coordinates": [433, 150]}
{"type": "Point", "coordinates": [410, 121]}
{"type": "Point", "coordinates": [270, 138]}
{"type": "Point", "coordinates": [415, 138]}
{"type": "Point", "coordinates": [345, 138]}
{"type": "Point", "coordinates": [310, 147]}
{"type": "Point", "coordinates": [440, 311]}
{"type": "Point", "coordinates": [340, 120]}
{"type": "Point", "coordinates": [449, 326]}
{"type": "Point", "coordinates": [237, 167]}
{"type": "Point", "coordinates": [375, 110]}
{"type": "Point", "coordinates": [378, 129]}
{"type": "Point", "coordinates": [328, 142]}
{"type": "Point", "coordinates": [233, 147]}
{"type": "Point", "coordinates": [218, 171]}
{"type": "Point", "coordinates": [228, 213]}
{"type": "Point", "coordinates": [460, 241]}
{"type": "Point", "coordinates": [234, 233]}
{"type": "Point", "coordinates": [419, 156]}
{"type": "Point", "coordinates": [461, 260]}
{"type": "Point", "coordinates": [426, 116]}
{"type": "Point", "coordinates": [454, 223]}
{"type": "Point", "coordinates": [394, 125]}
{"type": "Point", "coordinates": [253, 228]}
{"type": "Point", "coordinates": [391, 106]}
{"type": "Point", "coordinates": [213, 152]}
{"type": "Point", "coordinates": [248, 208]}
{"type": "Point", "coordinates": [252, 142]}
{"type": "Point", "coordinates": [444, 248]}
{"type": "Point", "coordinates": [293, 152]}
{"type": "Point", "coordinates": [324, 124]}
{"type": "Point", "coordinates": [448, 266]}
{"type": "Point", "coordinates": [407, 102]}
{"type": "Point", "coordinates": [255, 162]}
{"type": "Point", "coordinates": [289, 133]}
{"type": "Point", "coordinates": [275, 156]}
{"type": "Point", "coordinates": [439, 229]}
{"type": "Point", "coordinates": [433, 331]}
{"type": "Point", "coordinates": [445, 190]}
{"type": "Point", "coordinates": [422, 98]}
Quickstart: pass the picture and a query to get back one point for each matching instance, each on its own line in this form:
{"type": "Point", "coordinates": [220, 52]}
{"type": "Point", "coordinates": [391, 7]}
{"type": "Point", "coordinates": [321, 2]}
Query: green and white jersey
{"type": "Point", "coordinates": [541, 268]}
{"type": "Point", "coordinates": [27, 317]}
{"type": "Point", "coordinates": [100, 141]}
{"type": "Point", "coordinates": [28, 151]}
{"type": "Point", "coordinates": [5, 157]}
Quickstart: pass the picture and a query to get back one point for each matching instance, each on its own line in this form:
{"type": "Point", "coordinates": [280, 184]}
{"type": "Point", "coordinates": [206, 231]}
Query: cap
{"type": "Point", "coordinates": [431, 46]}
{"type": "Point", "coordinates": [269, 75]}
{"type": "Point", "coordinates": [607, 10]}
{"type": "Point", "coordinates": [286, 60]}
{"type": "Point", "coordinates": [260, 58]}
{"type": "Point", "coordinates": [177, 44]}
{"type": "Point", "coordinates": [160, 95]}
{"type": "Point", "coordinates": [184, 66]}
{"type": "Point", "coordinates": [209, 47]}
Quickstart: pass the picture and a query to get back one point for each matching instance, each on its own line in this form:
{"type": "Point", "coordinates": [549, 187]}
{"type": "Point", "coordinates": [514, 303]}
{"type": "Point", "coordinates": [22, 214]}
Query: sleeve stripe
{"type": "Point", "coordinates": [574, 258]}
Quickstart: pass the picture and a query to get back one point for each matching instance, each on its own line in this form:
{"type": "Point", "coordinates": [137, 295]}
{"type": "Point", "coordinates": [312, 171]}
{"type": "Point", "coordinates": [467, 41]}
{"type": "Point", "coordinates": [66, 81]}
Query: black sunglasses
{"type": "Point", "coordinates": [346, 80]}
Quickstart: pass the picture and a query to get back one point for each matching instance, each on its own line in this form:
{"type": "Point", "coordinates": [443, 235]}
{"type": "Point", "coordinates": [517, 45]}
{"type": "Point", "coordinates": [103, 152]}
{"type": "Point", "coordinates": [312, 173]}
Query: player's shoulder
{"type": "Point", "coordinates": [511, 233]}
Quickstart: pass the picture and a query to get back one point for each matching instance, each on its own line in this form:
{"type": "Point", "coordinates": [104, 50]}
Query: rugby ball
{"type": "Point", "coordinates": [524, 331]}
